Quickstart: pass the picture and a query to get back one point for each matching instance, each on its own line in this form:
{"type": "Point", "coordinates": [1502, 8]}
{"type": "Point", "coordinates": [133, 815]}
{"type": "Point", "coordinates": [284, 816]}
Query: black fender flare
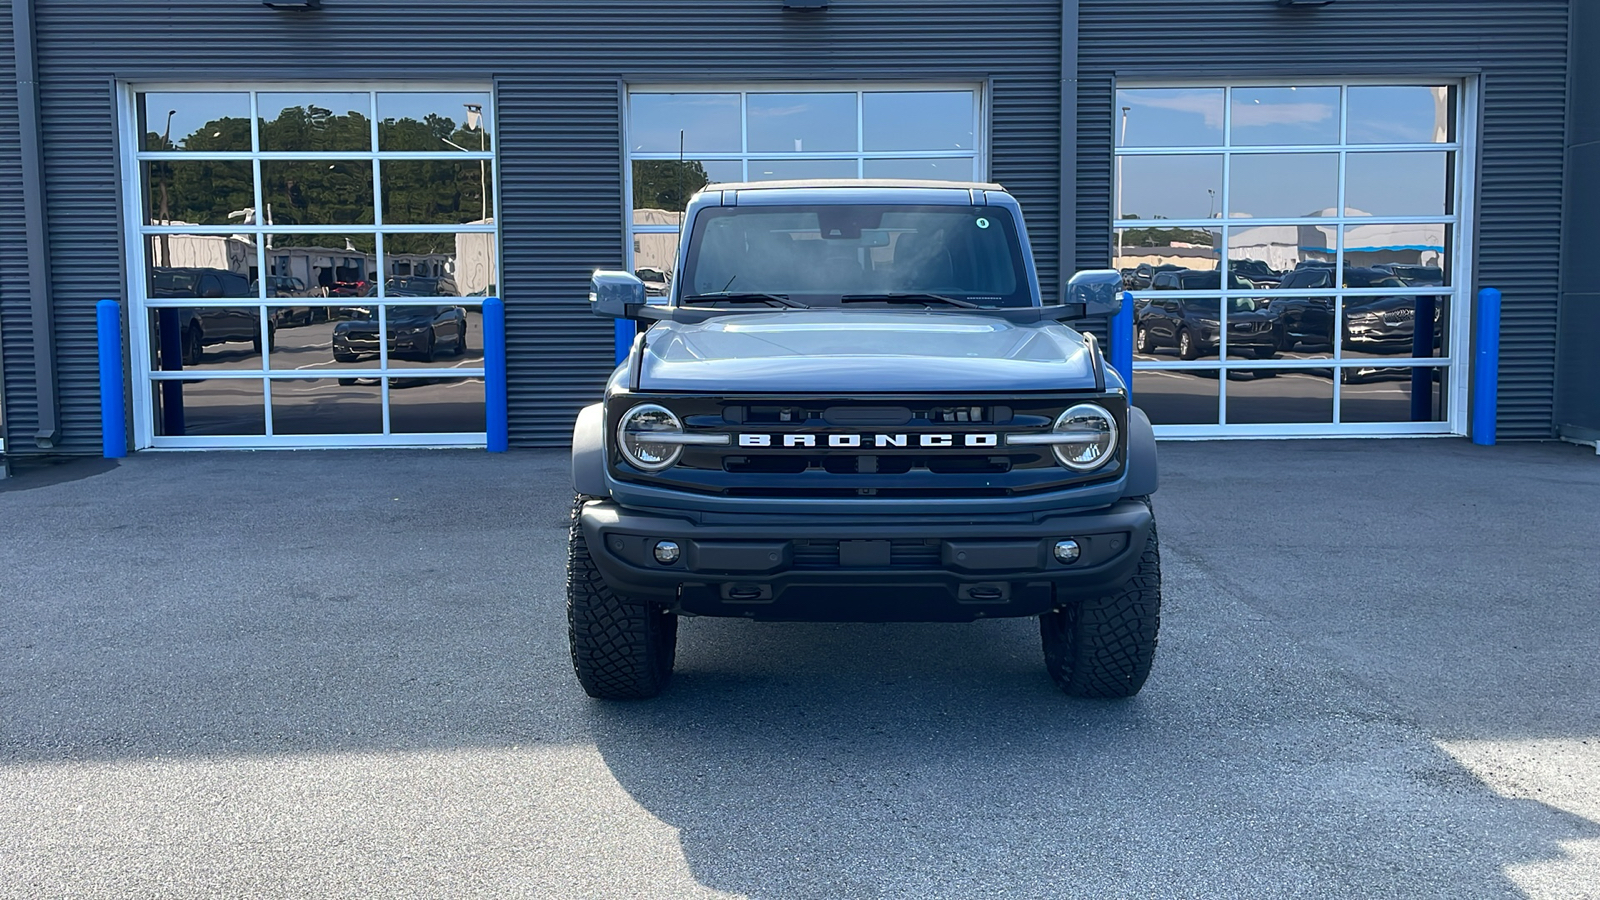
{"type": "Point", "coordinates": [589, 452]}
{"type": "Point", "coordinates": [1143, 471]}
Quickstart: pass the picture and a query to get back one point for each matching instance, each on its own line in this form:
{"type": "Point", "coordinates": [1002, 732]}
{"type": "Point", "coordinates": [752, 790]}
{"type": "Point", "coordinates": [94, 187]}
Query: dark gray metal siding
{"type": "Point", "coordinates": [1520, 49]}
{"type": "Point", "coordinates": [557, 66]}
{"type": "Point", "coordinates": [1578, 365]}
{"type": "Point", "coordinates": [16, 349]}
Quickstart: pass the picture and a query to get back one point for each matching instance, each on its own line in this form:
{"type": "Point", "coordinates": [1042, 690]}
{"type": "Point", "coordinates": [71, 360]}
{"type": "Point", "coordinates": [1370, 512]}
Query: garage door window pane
{"type": "Point", "coordinates": [1280, 396]}
{"type": "Point", "coordinates": [918, 120]}
{"type": "Point", "coordinates": [436, 405]}
{"type": "Point", "coordinates": [214, 407]}
{"type": "Point", "coordinates": [1283, 185]}
{"type": "Point", "coordinates": [796, 169]}
{"type": "Point", "coordinates": [1170, 187]}
{"type": "Point", "coordinates": [317, 121]}
{"type": "Point", "coordinates": [1401, 115]}
{"type": "Point", "coordinates": [1268, 116]}
{"type": "Point", "coordinates": [194, 120]}
{"type": "Point", "coordinates": [920, 169]}
{"type": "Point", "coordinates": [694, 123]}
{"type": "Point", "coordinates": [1399, 184]}
{"type": "Point", "coordinates": [435, 121]}
{"type": "Point", "coordinates": [1169, 117]}
{"type": "Point", "coordinates": [327, 406]}
{"type": "Point", "coordinates": [796, 123]}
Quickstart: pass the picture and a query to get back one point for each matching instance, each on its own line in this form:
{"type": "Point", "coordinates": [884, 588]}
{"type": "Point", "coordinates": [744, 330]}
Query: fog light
{"type": "Point", "coordinates": [1066, 551]}
{"type": "Point", "coordinates": [666, 552]}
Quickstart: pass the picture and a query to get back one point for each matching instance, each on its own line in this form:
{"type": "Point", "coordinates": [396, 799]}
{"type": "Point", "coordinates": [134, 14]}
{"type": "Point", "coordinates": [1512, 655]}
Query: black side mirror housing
{"type": "Point", "coordinates": [616, 295]}
{"type": "Point", "coordinates": [1098, 292]}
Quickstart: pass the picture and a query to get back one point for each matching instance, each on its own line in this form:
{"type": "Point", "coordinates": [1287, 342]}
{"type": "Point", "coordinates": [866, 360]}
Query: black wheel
{"type": "Point", "coordinates": [1266, 352]}
{"type": "Point", "coordinates": [622, 649]}
{"type": "Point", "coordinates": [430, 348]}
{"type": "Point", "coordinates": [193, 347]}
{"type": "Point", "coordinates": [461, 341]}
{"type": "Point", "coordinates": [1104, 647]}
{"type": "Point", "coordinates": [1141, 340]}
{"type": "Point", "coordinates": [1188, 347]}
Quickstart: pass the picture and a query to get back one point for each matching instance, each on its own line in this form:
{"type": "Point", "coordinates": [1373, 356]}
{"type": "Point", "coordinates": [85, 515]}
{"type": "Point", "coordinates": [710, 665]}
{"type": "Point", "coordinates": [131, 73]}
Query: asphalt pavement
{"type": "Point", "coordinates": [344, 674]}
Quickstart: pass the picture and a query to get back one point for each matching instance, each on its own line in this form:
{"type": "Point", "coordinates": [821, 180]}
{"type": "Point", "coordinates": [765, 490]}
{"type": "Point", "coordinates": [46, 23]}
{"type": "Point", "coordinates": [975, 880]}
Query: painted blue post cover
{"type": "Point", "coordinates": [113, 409]}
{"type": "Point", "coordinates": [494, 375]}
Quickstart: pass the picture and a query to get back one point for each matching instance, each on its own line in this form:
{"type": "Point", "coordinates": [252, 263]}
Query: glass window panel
{"type": "Point", "coordinates": [304, 338]}
{"type": "Point", "coordinates": [436, 405]}
{"type": "Point", "coordinates": [1303, 326]}
{"type": "Point", "coordinates": [957, 169]}
{"type": "Point", "coordinates": [1393, 394]}
{"type": "Point", "coordinates": [1166, 327]}
{"type": "Point", "coordinates": [198, 192]}
{"type": "Point", "coordinates": [437, 336]}
{"type": "Point", "coordinates": [1387, 326]}
{"type": "Point", "coordinates": [690, 123]}
{"type": "Point", "coordinates": [1401, 115]}
{"type": "Point", "coordinates": [199, 266]}
{"type": "Point", "coordinates": [216, 406]}
{"type": "Point", "coordinates": [193, 120]}
{"type": "Point", "coordinates": [1274, 396]}
{"type": "Point", "coordinates": [206, 338]}
{"type": "Point", "coordinates": [918, 120]}
{"type": "Point", "coordinates": [796, 169]}
{"type": "Point", "coordinates": [1141, 252]}
{"type": "Point", "coordinates": [1375, 255]}
{"type": "Point", "coordinates": [662, 187]}
{"type": "Point", "coordinates": [795, 123]}
{"type": "Point", "coordinates": [1285, 115]}
{"type": "Point", "coordinates": [433, 121]}
{"type": "Point", "coordinates": [1252, 328]}
{"type": "Point", "coordinates": [1164, 117]}
{"type": "Point", "coordinates": [655, 260]}
{"type": "Point", "coordinates": [437, 191]}
{"type": "Point", "coordinates": [1170, 187]}
{"type": "Point", "coordinates": [1282, 248]}
{"type": "Point", "coordinates": [343, 266]}
{"type": "Point", "coordinates": [1177, 397]}
{"type": "Point", "coordinates": [315, 120]}
{"type": "Point", "coordinates": [1283, 185]}
{"type": "Point", "coordinates": [317, 192]}
{"type": "Point", "coordinates": [439, 265]}
{"type": "Point", "coordinates": [1399, 184]}
{"type": "Point", "coordinates": [327, 406]}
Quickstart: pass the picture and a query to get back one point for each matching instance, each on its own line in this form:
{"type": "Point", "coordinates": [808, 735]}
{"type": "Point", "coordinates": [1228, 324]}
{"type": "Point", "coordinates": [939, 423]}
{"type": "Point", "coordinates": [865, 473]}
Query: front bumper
{"type": "Point", "coordinates": [840, 569]}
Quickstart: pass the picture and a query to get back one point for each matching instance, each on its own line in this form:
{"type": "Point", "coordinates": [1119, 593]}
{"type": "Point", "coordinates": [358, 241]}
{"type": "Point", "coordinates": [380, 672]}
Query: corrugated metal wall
{"type": "Point", "coordinates": [557, 66]}
{"type": "Point", "coordinates": [1578, 365]}
{"type": "Point", "coordinates": [16, 353]}
{"type": "Point", "coordinates": [1519, 47]}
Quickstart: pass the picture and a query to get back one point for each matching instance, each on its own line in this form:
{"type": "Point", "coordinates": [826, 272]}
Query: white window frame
{"type": "Point", "coordinates": [979, 154]}
{"type": "Point", "coordinates": [136, 230]}
{"type": "Point", "coordinates": [1461, 291]}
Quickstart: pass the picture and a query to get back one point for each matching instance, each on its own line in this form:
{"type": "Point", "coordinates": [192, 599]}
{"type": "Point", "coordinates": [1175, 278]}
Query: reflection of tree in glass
{"type": "Point", "coordinates": [315, 128]}
{"type": "Point", "coordinates": [1156, 236]}
{"type": "Point", "coordinates": [666, 183]}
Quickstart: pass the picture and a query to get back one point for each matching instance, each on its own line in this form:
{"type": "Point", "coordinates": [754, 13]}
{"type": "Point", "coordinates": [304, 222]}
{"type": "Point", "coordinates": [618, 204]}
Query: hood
{"type": "Point", "coordinates": [851, 351]}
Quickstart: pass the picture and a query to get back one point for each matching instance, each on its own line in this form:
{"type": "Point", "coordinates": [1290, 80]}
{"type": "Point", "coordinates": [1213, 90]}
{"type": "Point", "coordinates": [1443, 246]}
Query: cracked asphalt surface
{"type": "Point", "coordinates": [345, 674]}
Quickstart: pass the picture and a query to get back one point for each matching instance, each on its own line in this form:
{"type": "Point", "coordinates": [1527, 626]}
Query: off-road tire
{"type": "Point", "coordinates": [622, 649]}
{"type": "Point", "coordinates": [1103, 648]}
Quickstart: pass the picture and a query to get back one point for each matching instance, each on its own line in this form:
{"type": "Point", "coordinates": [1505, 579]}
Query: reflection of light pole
{"type": "Point", "coordinates": [475, 111]}
{"type": "Point", "coordinates": [1121, 142]}
{"type": "Point", "coordinates": [166, 172]}
{"type": "Point", "coordinates": [1211, 204]}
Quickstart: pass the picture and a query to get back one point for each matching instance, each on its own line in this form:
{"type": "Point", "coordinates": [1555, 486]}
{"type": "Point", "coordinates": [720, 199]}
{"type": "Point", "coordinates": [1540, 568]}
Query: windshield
{"type": "Point", "coordinates": [818, 254]}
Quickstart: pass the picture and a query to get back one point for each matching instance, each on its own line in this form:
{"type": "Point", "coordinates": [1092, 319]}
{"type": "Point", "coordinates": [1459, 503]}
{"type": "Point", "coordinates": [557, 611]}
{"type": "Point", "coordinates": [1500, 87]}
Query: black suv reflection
{"type": "Point", "coordinates": [205, 326]}
{"type": "Point", "coordinates": [1375, 324]}
{"type": "Point", "coordinates": [1190, 324]}
{"type": "Point", "coordinates": [415, 332]}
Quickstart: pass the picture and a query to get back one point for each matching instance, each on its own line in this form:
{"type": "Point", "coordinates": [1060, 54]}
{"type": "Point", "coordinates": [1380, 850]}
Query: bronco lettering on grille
{"type": "Point", "coordinates": [880, 441]}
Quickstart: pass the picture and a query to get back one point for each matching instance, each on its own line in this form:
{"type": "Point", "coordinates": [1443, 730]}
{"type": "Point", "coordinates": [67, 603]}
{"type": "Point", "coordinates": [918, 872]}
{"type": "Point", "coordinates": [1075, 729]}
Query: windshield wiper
{"type": "Point", "coordinates": [908, 297]}
{"type": "Point", "coordinates": [744, 297]}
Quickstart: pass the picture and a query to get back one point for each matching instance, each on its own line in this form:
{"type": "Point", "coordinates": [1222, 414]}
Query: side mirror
{"type": "Point", "coordinates": [1097, 291]}
{"type": "Point", "coordinates": [615, 295]}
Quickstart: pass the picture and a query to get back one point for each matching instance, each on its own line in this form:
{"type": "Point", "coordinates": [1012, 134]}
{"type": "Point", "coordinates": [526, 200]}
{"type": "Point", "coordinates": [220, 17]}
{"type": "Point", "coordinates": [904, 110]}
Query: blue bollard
{"type": "Point", "coordinates": [623, 335]}
{"type": "Point", "coordinates": [1122, 341]}
{"type": "Point", "coordinates": [497, 423]}
{"type": "Point", "coordinates": [113, 408]}
{"type": "Point", "coordinates": [1486, 367]}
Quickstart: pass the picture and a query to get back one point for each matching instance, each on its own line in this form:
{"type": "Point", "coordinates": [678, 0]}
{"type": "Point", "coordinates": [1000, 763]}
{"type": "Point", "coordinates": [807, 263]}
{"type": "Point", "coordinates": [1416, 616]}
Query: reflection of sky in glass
{"type": "Point", "coordinates": [788, 123]}
{"type": "Point", "coordinates": [921, 169]}
{"type": "Point", "coordinates": [1169, 118]}
{"type": "Point", "coordinates": [1397, 184]}
{"type": "Point", "coordinates": [1283, 185]}
{"type": "Point", "coordinates": [709, 123]}
{"type": "Point", "coordinates": [447, 104]}
{"type": "Point", "coordinates": [1171, 187]}
{"type": "Point", "coordinates": [1285, 115]}
{"type": "Point", "coordinates": [1392, 115]}
{"type": "Point", "coordinates": [918, 120]}
{"type": "Point", "coordinates": [193, 111]}
{"type": "Point", "coordinates": [794, 169]}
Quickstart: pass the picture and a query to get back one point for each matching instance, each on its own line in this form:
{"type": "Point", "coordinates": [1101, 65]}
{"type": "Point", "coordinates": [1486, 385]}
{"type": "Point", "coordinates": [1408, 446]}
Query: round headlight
{"type": "Point", "coordinates": [1094, 433]}
{"type": "Point", "coordinates": [633, 437]}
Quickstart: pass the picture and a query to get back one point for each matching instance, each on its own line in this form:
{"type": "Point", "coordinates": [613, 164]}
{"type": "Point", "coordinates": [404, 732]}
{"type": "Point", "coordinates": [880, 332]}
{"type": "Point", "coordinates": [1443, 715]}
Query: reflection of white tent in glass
{"type": "Point", "coordinates": [1282, 246]}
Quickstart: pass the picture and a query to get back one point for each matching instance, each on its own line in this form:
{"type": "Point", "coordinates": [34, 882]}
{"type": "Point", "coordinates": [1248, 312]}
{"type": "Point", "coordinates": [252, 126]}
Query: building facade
{"type": "Point", "coordinates": [302, 211]}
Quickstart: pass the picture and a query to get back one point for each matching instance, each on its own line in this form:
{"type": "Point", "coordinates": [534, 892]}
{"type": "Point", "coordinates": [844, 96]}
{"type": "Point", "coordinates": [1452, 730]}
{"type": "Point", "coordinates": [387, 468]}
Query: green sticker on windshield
{"type": "Point", "coordinates": [983, 223]}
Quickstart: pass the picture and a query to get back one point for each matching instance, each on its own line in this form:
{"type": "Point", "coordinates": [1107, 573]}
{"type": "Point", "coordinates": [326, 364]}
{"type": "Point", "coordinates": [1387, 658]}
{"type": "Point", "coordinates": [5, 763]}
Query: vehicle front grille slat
{"type": "Point", "coordinates": [907, 553]}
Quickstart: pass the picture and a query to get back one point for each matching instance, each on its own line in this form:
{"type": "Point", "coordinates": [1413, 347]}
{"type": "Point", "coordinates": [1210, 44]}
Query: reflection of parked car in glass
{"type": "Point", "coordinates": [656, 282]}
{"type": "Point", "coordinates": [205, 326]}
{"type": "Point", "coordinates": [1143, 275]}
{"type": "Point", "coordinates": [1255, 270]}
{"type": "Point", "coordinates": [1190, 324]}
{"type": "Point", "coordinates": [418, 332]}
{"type": "Point", "coordinates": [1307, 320]}
{"type": "Point", "coordinates": [286, 286]}
{"type": "Point", "coordinates": [1414, 276]}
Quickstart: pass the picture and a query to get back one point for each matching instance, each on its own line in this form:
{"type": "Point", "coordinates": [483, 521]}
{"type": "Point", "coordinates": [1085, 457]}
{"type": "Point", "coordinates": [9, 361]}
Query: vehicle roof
{"type": "Point", "coordinates": [824, 183]}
